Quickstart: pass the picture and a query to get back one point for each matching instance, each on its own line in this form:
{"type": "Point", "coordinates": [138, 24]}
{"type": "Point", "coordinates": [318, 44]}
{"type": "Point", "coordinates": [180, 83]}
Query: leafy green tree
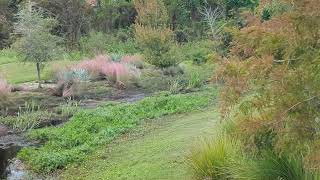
{"type": "Point", "coordinates": [36, 43]}
{"type": "Point", "coordinates": [153, 34]}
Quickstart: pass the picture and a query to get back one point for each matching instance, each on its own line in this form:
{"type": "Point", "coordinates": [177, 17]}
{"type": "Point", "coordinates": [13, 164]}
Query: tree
{"type": "Point", "coordinates": [153, 33]}
{"type": "Point", "coordinates": [73, 17]}
{"type": "Point", "coordinates": [36, 43]}
{"type": "Point", "coordinates": [7, 9]}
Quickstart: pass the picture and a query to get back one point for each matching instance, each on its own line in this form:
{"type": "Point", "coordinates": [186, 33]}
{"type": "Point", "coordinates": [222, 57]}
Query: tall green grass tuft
{"type": "Point", "coordinates": [213, 159]}
{"type": "Point", "coordinates": [282, 167]}
{"type": "Point", "coordinates": [223, 159]}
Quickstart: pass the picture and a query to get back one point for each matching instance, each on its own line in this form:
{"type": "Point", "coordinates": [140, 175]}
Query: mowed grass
{"type": "Point", "coordinates": [15, 71]}
{"type": "Point", "coordinates": [155, 150]}
{"type": "Point", "coordinates": [18, 72]}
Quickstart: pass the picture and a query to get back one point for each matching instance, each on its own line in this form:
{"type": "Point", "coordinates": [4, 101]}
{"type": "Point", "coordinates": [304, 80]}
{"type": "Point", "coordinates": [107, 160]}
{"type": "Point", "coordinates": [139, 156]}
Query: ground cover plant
{"type": "Point", "coordinates": [89, 129]}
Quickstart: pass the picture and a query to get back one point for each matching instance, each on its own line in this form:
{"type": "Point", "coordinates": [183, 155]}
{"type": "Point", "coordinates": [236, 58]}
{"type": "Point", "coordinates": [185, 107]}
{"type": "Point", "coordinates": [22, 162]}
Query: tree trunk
{"type": "Point", "coordinates": [39, 77]}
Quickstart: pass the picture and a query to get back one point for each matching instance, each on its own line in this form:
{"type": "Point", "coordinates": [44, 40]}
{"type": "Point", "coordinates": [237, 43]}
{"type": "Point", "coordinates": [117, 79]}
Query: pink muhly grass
{"type": "Point", "coordinates": [5, 89]}
{"type": "Point", "coordinates": [116, 72]}
{"type": "Point", "coordinates": [135, 60]}
{"type": "Point", "coordinates": [94, 66]}
{"type": "Point", "coordinates": [102, 67]}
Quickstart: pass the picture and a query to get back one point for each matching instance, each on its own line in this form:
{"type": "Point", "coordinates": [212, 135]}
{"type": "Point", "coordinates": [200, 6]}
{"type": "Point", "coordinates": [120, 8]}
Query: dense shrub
{"type": "Point", "coordinates": [199, 55]}
{"type": "Point", "coordinates": [270, 83]}
{"type": "Point", "coordinates": [94, 43]}
{"type": "Point", "coordinates": [90, 129]}
{"type": "Point", "coordinates": [157, 46]}
{"type": "Point", "coordinates": [154, 35]}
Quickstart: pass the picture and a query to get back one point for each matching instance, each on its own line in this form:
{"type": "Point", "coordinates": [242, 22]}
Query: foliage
{"type": "Point", "coordinates": [274, 166]}
{"type": "Point", "coordinates": [27, 120]}
{"type": "Point", "coordinates": [199, 55]}
{"type": "Point", "coordinates": [7, 9]}
{"type": "Point", "coordinates": [195, 80]}
{"type": "Point", "coordinates": [73, 19]}
{"type": "Point", "coordinates": [88, 130]}
{"type": "Point", "coordinates": [68, 109]}
{"type": "Point", "coordinates": [94, 43]}
{"type": "Point", "coordinates": [113, 15]}
{"type": "Point", "coordinates": [153, 34]}
{"type": "Point", "coordinates": [103, 67]}
{"type": "Point", "coordinates": [212, 159]}
{"type": "Point", "coordinates": [8, 56]}
{"type": "Point", "coordinates": [156, 45]}
{"type": "Point", "coordinates": [270, 83]}
{"type": "Point", "coordinates": [36, 44]}
{"type": "Point", "coordinates": [273, 8]}
{"type": "Point", "coordinates": [173, 71]}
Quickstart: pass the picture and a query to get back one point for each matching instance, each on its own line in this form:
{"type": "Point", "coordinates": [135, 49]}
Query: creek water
{"type": "Point", "coordinates": [10, 145]}
{"type": "Point", "coordinates": [11, 168]}
{"type": "Point", "coordinates": [7, 153]}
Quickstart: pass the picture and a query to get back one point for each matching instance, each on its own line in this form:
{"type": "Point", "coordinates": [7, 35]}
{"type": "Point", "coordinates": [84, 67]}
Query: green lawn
{"type": "Point", "coordinates": [156, 150]}
{"type": "Point", "coordinates": [16, 72]}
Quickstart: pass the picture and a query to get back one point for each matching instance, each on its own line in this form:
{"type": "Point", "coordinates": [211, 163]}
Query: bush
{"type": "Point", "coordinates": [271, 63]}
{"type": "Point", "coordinates": [153, 33]}
{"type": "Point", "coordinates": [199, 55]}
{"type": "Point", "coordinates": [157, 45]}
{"type": "Point", "coordinates": [88, 130]}
{"type": "Point", "coordinates": [94, 43]}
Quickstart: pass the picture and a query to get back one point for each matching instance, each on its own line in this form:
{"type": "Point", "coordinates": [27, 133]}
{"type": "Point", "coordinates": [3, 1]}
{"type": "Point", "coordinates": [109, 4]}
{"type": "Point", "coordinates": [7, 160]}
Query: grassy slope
{"type": "Point", "coordinates": [154, 151]}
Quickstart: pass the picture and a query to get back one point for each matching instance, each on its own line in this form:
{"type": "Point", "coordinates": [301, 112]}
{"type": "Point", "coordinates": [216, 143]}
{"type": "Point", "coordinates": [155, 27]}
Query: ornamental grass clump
{"type": "Point", "coordinates": [5, 90]}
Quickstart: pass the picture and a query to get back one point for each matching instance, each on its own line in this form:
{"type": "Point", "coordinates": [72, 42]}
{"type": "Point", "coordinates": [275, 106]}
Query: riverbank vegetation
{"type": "Point", "coordinates": [77, 75]}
